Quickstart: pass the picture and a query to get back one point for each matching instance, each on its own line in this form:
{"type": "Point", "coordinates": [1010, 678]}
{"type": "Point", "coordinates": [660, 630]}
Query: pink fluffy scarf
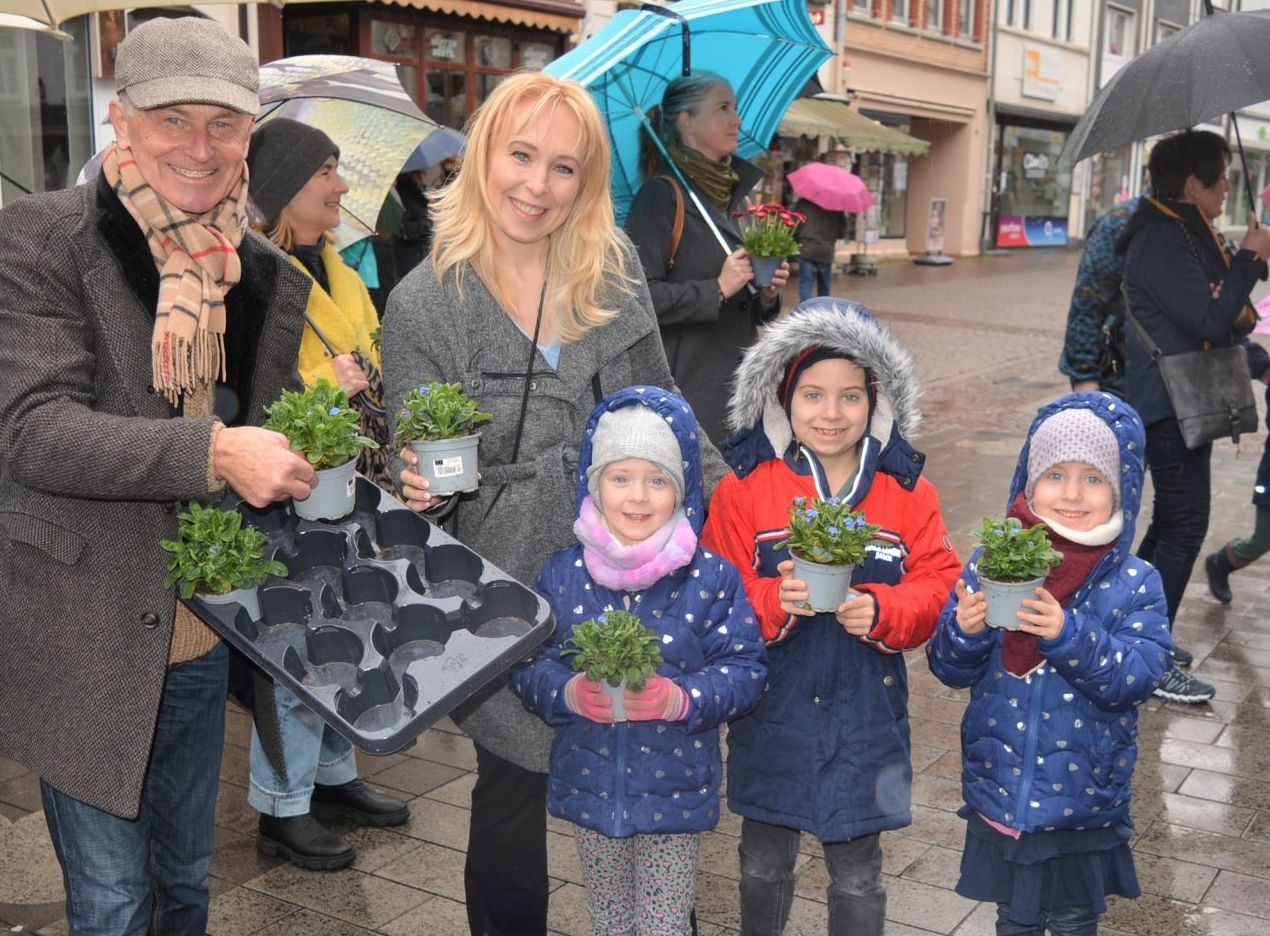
{"type": "Point", "coordinates": [637, 566]}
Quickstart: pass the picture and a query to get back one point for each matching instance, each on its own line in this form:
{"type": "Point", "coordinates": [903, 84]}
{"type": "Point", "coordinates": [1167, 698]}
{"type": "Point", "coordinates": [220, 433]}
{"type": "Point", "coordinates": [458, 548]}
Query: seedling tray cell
{"type": "Point", "coordinates": [385, 623]}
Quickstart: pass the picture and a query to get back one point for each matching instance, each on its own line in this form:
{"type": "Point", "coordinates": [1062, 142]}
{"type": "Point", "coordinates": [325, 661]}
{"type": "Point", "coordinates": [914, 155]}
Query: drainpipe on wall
{"type": "Point", "coordinates": [839, 44]}
{"type": "Point", "coordinates": [985, 225]}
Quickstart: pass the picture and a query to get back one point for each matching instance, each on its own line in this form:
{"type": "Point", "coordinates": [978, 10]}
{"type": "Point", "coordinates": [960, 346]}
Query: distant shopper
{"type": "Point", "coordinates": [818, 238]}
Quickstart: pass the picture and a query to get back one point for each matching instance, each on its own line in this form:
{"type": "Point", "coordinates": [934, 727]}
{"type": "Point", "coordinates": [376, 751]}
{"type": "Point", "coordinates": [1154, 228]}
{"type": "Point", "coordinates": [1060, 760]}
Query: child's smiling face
{"type": "Point", "coordinates": [829, 411]}
{"type": "Point", "coordinates": [636, 498]}
{"type": "Point", "coordinates": [1073, 494]}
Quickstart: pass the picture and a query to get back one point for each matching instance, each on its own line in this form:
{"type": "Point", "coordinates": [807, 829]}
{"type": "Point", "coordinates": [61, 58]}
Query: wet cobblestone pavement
{"type": "Point", "coordinates": [985, 334]}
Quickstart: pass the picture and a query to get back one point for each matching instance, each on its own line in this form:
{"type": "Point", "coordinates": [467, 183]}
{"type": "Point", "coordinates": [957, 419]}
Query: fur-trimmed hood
{"type": "Point", "coordinates": [758, 420]}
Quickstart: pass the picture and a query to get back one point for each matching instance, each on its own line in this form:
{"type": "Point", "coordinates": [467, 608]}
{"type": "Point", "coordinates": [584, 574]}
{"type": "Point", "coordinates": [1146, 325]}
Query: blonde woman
{"type": "Point", "coordinates": [535, 301]}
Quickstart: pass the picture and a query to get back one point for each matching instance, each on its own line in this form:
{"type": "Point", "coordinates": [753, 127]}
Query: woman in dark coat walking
{"type": "Point", "coordinates": [706, 309]}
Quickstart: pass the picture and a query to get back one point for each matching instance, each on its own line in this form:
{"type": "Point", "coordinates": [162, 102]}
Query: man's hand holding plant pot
{"type": "Point", "coordinates": [260, 466]}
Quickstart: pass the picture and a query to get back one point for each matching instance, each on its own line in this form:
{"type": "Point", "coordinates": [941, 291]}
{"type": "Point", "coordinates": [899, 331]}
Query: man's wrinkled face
{"type": "Point", "coordinates": [191, 154]}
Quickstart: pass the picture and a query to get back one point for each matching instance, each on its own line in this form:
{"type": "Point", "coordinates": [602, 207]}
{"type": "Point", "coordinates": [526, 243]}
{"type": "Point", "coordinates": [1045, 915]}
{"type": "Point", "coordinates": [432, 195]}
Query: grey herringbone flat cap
{"type": "Point", "coordinates": [189, 60]}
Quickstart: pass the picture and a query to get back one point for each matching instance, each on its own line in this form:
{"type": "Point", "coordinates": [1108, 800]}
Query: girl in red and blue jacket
{"type": "Point", "coordinates": [822, 408]}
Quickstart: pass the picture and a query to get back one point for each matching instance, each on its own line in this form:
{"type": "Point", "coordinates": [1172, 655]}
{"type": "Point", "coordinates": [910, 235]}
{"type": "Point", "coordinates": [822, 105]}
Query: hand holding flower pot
{"type": "Point", "coordinates": [320, 423]}
{"type": "Point", "coordinates": [1014, 563]}
{"type": "Point", "coordinates": [617, 651]}
{"type": "Point", "coordinates": [827, 540]}
{"type": "Point", "coordinates": [218, 558]}
{"type": "Point", "coordinates": [436, 420]}
{"type": "Point", "coordinates": [768, 237]}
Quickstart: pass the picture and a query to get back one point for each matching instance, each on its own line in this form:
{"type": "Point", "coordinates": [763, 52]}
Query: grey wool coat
{"type": "Point", "coordinates": [429, 334]}
{"type": "Point", "coordinates": [94, 472]}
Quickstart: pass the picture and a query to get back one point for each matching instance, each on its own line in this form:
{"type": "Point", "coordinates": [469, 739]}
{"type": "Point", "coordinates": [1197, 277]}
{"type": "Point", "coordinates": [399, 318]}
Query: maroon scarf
{"type": "Point", "coordinates": [1021, 652]}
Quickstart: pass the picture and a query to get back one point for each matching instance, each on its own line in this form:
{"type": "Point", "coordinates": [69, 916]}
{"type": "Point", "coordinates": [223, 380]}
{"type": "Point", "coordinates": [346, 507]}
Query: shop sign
{"type": "Point", "coordinates": [1036, 166]}
{"type": "Point", "coordinates": [1028, 231]}
{"type": "Point", "coordinates": [1042, 72]}
{"type": "Point", "coordinates": [936, 224]}
{"type": "Point", "coordinates": [444, 47]}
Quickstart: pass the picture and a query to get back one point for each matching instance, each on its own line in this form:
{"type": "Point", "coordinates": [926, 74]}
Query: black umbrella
{"type": "Point", "coordinates": [1214, 66]}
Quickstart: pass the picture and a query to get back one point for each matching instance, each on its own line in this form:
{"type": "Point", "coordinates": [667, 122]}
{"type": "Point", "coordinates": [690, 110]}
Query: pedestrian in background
{"type": "Point", "coordinates": [307, 771]}
{"type": "Point", "coordinates": [707, 309]}
{"type": "Point", "coordinates": [1050, 735]}
{"type": "Point", "coordinates": [818, 238]}
{"type": "Point", "coordinates": [129, 306]}
{"type": "Point", "coordinates": [640, 792]}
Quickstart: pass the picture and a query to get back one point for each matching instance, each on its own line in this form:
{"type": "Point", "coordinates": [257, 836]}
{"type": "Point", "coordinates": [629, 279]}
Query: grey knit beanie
{"type": "Point", "coordinates": [635, 432]}
{"type": "Point", "coordinates": [1074, 435]}
{"type": "Point", "coordinates": [283, 156]}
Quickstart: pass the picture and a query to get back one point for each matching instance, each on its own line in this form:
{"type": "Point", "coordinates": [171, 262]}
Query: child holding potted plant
{"type": "Point", "coordinates": [641, 791]}
{"type": "Point", "coordinates": [823, 406]}
{"type": "Point", "coordinates": [1013, 562]}
{"type": "Point", "coordinates": [1049, 736]}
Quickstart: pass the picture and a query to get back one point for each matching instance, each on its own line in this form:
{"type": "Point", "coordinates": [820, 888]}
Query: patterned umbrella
{"type": "Point", "coordinates": [360, 104]}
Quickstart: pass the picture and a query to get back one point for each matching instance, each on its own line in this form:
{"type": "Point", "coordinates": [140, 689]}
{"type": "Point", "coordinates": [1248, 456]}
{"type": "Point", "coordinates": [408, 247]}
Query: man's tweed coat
{"type": "Point", "coordinates": [94, 469]}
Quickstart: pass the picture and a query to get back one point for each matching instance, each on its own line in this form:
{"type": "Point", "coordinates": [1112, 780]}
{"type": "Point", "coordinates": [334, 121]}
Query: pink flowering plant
{"type": "Point", "coordinates": [768, 230]}
{"type": "Point", "coordinates": [827, 531]}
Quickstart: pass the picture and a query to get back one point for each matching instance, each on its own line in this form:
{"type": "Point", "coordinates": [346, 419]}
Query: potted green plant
{"type": "Point", "coordinates": [219, 559]}
{"type": "Point", "coordinates": [616, 650]}
{"type": "Point", "coordinates": [827, 541]}
{"type": "Point", "coordinates": [768, 237]}
{"type": "Point", "coordinates": [320, 423]}
{"type": "Point", "coordinates": [437, 421]}
{"type": "Point", "coordinates": [1013, 563]}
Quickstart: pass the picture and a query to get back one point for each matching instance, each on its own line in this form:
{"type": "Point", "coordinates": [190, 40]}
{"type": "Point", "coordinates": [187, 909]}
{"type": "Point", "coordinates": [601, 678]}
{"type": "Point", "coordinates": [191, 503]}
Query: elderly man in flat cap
{"type": "Point", "coordinates": [144, 330]}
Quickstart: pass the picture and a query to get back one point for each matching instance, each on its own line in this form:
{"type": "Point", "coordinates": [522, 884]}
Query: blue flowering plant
{"type": "Point", "coordinates": [827, 531]}
{"type": "Point", "coordinates": [214, 553]}
{"type": "Point", "coordinates": [437, 411]}
{"type": "Point", "coordinates": [614, 647]}
{"type": "Point", "coordinates": [1012, 553]}
{"type": "Point", "coordinates": [320, 423]}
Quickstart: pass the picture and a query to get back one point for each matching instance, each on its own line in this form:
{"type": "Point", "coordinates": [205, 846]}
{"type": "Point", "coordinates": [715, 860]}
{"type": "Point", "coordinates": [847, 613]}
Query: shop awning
{"type": "Point", "coordinates": [555, 15]}
{"type": "Point", "coordinates": [817, 116]}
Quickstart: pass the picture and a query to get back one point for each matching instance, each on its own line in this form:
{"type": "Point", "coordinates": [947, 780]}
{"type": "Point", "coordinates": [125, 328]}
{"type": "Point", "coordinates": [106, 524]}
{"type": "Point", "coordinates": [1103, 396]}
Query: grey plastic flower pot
{"type": "Point", "coordinates": [334, 496]}
{"type": "Point", "coordinates": [764, 269]}
{"type": "Point", "coordinates": [617, 695]}
{"type": "Point", "coordinates": [247, 597]}
{"type": "Point", "coordinates": [449, 464]}
{"type": "Point", "coordinates": [828, 586]}
{"type": "Point", "coordinates": [1005, 600]}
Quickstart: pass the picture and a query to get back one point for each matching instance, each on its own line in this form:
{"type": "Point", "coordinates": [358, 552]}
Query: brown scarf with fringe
{"type": "Point", "coordinates": [197, 257]}
{"type": "Point", "coordinates": [715, 177]}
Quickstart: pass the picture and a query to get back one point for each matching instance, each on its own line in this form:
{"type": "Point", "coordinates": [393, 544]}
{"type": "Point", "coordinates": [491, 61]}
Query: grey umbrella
{"type": "Point", "coordinates": [1214, 66]}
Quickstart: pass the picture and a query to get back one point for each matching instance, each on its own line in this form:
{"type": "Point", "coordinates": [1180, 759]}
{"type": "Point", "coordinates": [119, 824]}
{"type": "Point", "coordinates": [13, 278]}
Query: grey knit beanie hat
{"type": "Point", "coordinates": [1074, 435]}
{"type": "Point", "coordinates": [635, 432]}
{"type": "Point", "coordinates": [283, 156]}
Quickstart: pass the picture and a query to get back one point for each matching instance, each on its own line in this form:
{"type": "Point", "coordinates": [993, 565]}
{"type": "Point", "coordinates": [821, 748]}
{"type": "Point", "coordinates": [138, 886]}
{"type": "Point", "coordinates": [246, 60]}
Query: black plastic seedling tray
{"type": "Point", "coordinates": [385, 623]}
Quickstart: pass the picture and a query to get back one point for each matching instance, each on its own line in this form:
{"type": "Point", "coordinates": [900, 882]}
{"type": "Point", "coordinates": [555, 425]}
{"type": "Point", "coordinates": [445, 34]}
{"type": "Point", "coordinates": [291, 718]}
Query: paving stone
{"type": "Point", "coordinates": [1240, 893]}
{"type": "Point", "coordinates": [239, 912]}
{"type": "Point", "coordinates": [430, 868]}
{"type": "Point", "coordinates": [352, 896]}
{"type": "Point", "coordinates": [434, 821]}
{"type": "Point", "coordinates": [1190, 811]}
{"type": "Point", "coordinates": [417, 776]}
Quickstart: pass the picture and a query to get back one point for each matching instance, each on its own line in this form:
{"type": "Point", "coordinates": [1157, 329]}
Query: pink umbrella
{"type": "Point", "coordinates": [1265, 196]}
{"type": "Point", "coordinates": [831, 187]}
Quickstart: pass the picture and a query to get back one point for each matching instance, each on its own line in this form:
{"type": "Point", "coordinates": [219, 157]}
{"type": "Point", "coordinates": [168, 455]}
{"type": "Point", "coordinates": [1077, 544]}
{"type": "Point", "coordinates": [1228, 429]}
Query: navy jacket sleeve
{"type": "Point", "coordinates": [539, 682]}
{"type": "Point", "coordinates": [956, 658]}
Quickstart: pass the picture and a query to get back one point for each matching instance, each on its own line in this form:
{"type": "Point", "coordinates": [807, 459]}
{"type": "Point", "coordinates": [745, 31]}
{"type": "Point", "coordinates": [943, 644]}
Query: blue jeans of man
{"type": "Point", "coordinates": [146, 875]}
{"type": "Point", "coordinates": [1179, 517]}
{"type": "Point", "coordinates": [1065, 921]}
{"type": "Point", "coordinates": [312, 752]}
{"type": "Point", "coordinates": [808, 270]}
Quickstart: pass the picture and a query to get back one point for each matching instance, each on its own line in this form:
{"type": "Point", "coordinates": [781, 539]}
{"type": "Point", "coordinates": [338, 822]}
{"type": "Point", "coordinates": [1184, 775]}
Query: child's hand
{"type": "Point", "coordinates": [1046, 617]}
{"type": "Point", "coordinates": [792, 591]}
{"type": "Point", "coordinates": [857, 615]}
{"type": "Point", "coordinates": [972, 609]}
{"type": "Point", "coordinates": [659, 700]}
{"type": "Point", "coordinates": [588, 699]}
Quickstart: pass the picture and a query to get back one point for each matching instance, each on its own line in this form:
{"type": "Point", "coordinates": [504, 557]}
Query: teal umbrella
{"type": "Point", "coordinates": [767, 49]}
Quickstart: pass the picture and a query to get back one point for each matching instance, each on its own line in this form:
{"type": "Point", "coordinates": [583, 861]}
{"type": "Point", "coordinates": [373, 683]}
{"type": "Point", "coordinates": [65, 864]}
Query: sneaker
{"type": "Point", "coordinates": [1178, 686]}
{"type": "Point", "coordinates": [1182, 658]}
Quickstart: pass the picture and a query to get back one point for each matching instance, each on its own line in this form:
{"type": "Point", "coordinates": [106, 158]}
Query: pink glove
{"type": "Point", "coordinates": [588, 699]}
{"type": "Point", "coordinates": [659, 700]}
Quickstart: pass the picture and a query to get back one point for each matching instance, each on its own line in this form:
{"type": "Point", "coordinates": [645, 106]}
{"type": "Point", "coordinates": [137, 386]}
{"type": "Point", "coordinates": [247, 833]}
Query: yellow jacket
{"type": "Point", "coordinates": [346, 317]}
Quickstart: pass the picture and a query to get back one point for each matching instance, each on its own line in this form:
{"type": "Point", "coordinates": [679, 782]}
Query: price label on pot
{"type": "Point", "coordinates": [447, 467]}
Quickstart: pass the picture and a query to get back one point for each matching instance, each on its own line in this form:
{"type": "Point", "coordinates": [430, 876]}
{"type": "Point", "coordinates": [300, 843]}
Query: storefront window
{"type": "Point", "coordinates": [1035, 188]}
{"type": "Point", "coordinates": [1109, 180]}
{"type": "Point", "coordinates": [1237, 200]}
{"type": "Point", "coordinates": [330, 33]}
{"type": "Point", "coordinates": [45, 109]}
{"type": "Point", "coordinates": [493, 51]}
{"type": "Point", "coordinates": [535, 55]}
{"type": "Point", "coordinates": [447, 97]}
{"type": "Point", "coordinates": [447, 46]}
{"type": "Point", "coordinates": [393, 39]}
{"type": "Point", "coordinates": [886, 175]}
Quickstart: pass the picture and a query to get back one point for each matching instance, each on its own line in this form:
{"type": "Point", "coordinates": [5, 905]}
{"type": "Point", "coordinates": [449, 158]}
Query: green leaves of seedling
{"type": "Point", "coordinates": [612, 647]}
{"type": "Point", "coordinates": [320, 423]}
{"type": "Point", "coordinates": [827, 531]}
{"type": "Point", "coordinates": [215, 553]}
{"type": "Point", "coordinates": [437, 411]}
{"type": "Point", "coordinates": [1013, 554]}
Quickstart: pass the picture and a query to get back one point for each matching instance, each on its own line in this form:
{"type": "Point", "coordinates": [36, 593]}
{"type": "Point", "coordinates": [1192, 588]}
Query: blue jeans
{"type": "Point", "coordinates": [823, 274]}
{"type": "Point", "coordinates": [1179, 517]}
{"type": "Point", "coordinates": [145, 875]}
{"type": "Point", "coordinates": [312, 751]}
{"type": "Point", "coordinates": [1065, 921]}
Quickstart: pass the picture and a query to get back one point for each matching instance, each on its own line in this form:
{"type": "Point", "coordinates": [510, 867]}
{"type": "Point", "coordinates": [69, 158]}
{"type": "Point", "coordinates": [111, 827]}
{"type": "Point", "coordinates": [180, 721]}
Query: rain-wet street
{"type": "Point", "coordinates": [985, 334]}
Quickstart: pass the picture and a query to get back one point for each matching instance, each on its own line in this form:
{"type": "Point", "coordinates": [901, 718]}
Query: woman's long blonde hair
{"type": "Point", "coordinates": [585, 255]}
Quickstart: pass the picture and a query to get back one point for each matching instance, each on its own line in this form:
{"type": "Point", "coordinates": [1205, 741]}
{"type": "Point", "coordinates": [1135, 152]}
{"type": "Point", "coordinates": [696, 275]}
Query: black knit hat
{"type": "Point", "coordinates": [283, 156]}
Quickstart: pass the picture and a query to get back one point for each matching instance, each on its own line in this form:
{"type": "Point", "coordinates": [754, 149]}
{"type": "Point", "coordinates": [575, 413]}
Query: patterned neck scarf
{"type": "Point", "coordinates": [715, 177]}
{"type": "Point", "coordinates": [197, 257]}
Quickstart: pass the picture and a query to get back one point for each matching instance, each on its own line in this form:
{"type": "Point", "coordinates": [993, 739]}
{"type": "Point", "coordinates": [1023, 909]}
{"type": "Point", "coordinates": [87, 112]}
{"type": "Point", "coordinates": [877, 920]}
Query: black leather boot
{"type": "Point", "coordinates": [304, 842]}
{"type": "Point", "coordinates": [358, 803]}
{"type": "Point", "coordinates": [1218, 567]}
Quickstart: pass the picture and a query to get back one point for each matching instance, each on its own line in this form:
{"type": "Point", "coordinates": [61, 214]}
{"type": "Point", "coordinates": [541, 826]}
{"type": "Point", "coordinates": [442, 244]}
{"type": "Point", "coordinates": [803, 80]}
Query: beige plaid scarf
{"type": "Point", "coordinates": [198, 263]}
